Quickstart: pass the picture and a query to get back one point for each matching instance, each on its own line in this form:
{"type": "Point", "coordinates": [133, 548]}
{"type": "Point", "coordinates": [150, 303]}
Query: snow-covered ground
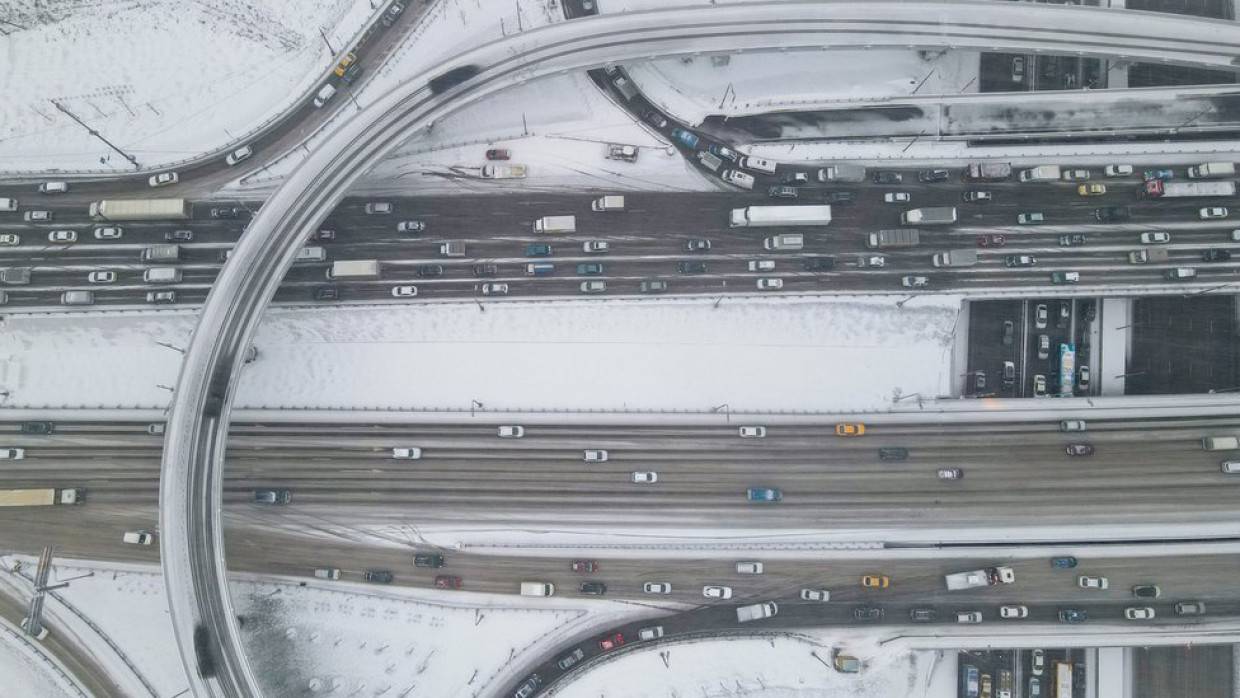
{"type": "Point", "coordinates": [211, 72]}
{"type": "Point", "coordinates": [26, 671]}
{"type": "Point", "coordinates": [799, 354]}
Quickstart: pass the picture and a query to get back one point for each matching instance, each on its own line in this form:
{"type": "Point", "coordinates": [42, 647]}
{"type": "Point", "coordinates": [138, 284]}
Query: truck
{"type": "Point", "coordinates": [1148, 255]}
{"type": "Point", "coordinates": [988, 171]}
{"type": "Point", "coordinates": [354, 269]}
{"type": "Point", "coordinates": [1041, 173]}
{"type": "Point", "coordinates": [1220, 443]}
{"type": "Point", "coordinates": [787, 242]}
{"type": "Point", "coordinates": [1212, 169]}
{"type": "Point", "coordinates": [762, 216]}
{"type": "Point", "coordinates": [908, 237]}
{"type": "Point", "coordinates": [756, 611]}
{"type": "Point", "coordinates": [988, 576]}
{"type": "Point", "coordinates": [161, 253]}
{"type": "Point", "coordinates": [140, 210]}
{"type": "Point", "coordinates": [743, 180]}
{"type": "Point", "coordinates": [44, 497]}
{"type": "Point", "coordinates": [842, 173]}
{"type": "Point", "coordinates": [452, 248]}
{"type": "Point", "coordinates": [1160, 188]}
{"type": "Point", "coordinates": [608, 203]}
{"type": "Point", "coordinates": [556, 224]}
{"type": "Point", "coordinates": [955, 258]}
{"type": "Point", "coordinates": [537, 589]}
{"type": "Point", "coordinates": [935, 215]}
{"type": "Point", "coordinates": [503, 171]}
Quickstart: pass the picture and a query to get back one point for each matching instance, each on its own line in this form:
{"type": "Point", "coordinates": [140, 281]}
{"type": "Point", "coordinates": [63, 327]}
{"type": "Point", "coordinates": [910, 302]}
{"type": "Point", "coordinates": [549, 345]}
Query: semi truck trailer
{"type": "Point", "coordinates": [1162, 189]}
{"type": "Point", "coordinates": [140, 210]}
{"type": "Point", "coordinates": [354, 269]}
{"type": "Point", "coordinates": [988, 576]}
{"type": "Point", "coordinates": [882, 239]}
{"type": "Point", "coordinates": [44, 497]}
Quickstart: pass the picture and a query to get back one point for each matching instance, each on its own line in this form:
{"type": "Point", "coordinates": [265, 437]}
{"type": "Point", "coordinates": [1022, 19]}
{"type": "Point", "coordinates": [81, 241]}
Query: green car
{"type": "Point", "coordinates": [589, 269]}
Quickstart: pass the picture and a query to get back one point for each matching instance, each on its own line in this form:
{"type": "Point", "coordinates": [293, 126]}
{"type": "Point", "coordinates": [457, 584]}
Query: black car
{"type": "Point", "coordinates": [698, 245]}
{"type": "Point", "coordinates": [1065, 314]}
{"type": "Point", "coordinates": [888, 178]}
{"type": "Point", "coordinates": [486, 269]}
{"type": "Point", "coordinates": [427, 560]}
{"type": "Point", "coordinates": [353, 72]}
{"type": "Point", "coordinates": [933, 176]}
{"type": "Point", "coordinates": [430, 270]}
{"type": "Point", "coordinates": [1079, 449]}
{"type": "Point", "coordinates": [892, 453]}
{"type": "Point", "coordinates": [324, 235]}
{"type": "Point", "coordinates": [840, 197]}
{"type": "Point", "coordinates": [1146, 591]}
{"type": "Point", "coordinates": [393, 11]}
{"type": "Point", "coordinates": [273, 496]}
{"type": "Point", "coordinates": [1009, 332]}
{"type": "Point", "coordinates": [179, 236]}
{"type": "Point", "coordinates": [327, 293]}
{"type": "Point", "coordinates": [593, 588]}
{"type": "Point", "coordinates": [38, 427]}
{"type": "Point", "coordinates": [868, 613]}
{"type": "Point", "coordinates": [691, 267]}
{"type": "Point", "coordinates": [1107, 214]}
{"type": "Point", "coordinates": [1071, 240]}
{"type": "Point", "coordinates": [782, 192]}
{"type": "Point", "coordinates": [818, 263]}
{"type": "Point", "coordinates": [378, 576]}
{"type": "Point", "coordinates": [1215, 255]}
{"type": "Point", "coordinates": [655, 119]}
{"type": "Point", "coordinates": [1072, 615]}
{"type": "Point", "coordinates": [923, 615]}
{"type": "Point", "coordinates": [225, 212]}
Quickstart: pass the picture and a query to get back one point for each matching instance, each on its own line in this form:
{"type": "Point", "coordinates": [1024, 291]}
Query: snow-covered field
{"type": "Point", "coordinates": [24, 671]}
{"type": "Point", "coordinates": [798, 354]}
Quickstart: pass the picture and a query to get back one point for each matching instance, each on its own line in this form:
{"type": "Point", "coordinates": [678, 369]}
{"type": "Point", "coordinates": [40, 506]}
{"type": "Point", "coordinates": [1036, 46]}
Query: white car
{"type": "Point", "coordinates": [596, 246]}
{"type": "Point", "coordinates": [36, 216]}
{"type": "Point", "coordinates": [753, 432]}
{"type": "Point", "coordinates": [101, 277]}
{"type": "Point", "coordinates": [238, 155]}
{"type": "Point", "coordinates": [1099, 583]}
{"type": "Point", "coordinates": [595, 455]}
{"type": "Point", "coordinates": [137, 538]}
{"type": "Point", "coordinates": [410, 227]}
{"type": "Point", "coordinates": [1139, 613]}
{"type": "Point", "coordinates": [9, 239]}
{"type": "Point", "coordinates": [897, 197]}
{"type": "Point", "coordinates": [657, 588]}
{"type": "Point", "coordinates": [770, 284]}
{"type": "Point", "coordinates": [1038, 665]}
{"type": "Point", "coordinates": [377, 208]}
{"type": "Point", "coordinates": [645, 477]}
{"type": "Point", "coordinates": [511, 432]}
{"type": "Point", "coordinates": [1013, 611]}
{"type": "Point", "coordinates": [12, 453]}
{"type": "Point", "coordinates": [1040, 317]}
{"type": "Point", "coordinates": [1075, 175]}
{"type": "Point", "coordinates": [62, 236]}
{"type": "Point", "coordinates": [1039, 385]}
{"type": "Point", "coordinates": [915, 281]}
{"type": "Point", "coordinates": [593, 286]}
{"type": "Point", "coordinates": [652, 633]}
{"type": "Point", "coordinates": [877, 260]}
{"type": "Point", "coordinates": [1117, 170]}
{"type": "Point", "coordinates": [749, 567]}
{"type": "Point", "coordinates": [761, 265]}
{"type": "Point", "coordinates": [815, 595]}
{"type": "Point", "coordinates": [717, 592]}
{"type": "Point", "coordinates": [109, 233]}
{"type": "Point", "coordinates": [404, 291]}
{"type": "Point", "coordinates": [969, 617]}
{"type": "Point", "coordinates": [494, 289]}
{"type": "Point", "coordinates": [410, 453]}
{"type": "Point", "coordinates": [164, 179]}
{"type": "Point", "coordinates": [1155, 238]}
{"type": "Point", "coordinates": [1213, 212]}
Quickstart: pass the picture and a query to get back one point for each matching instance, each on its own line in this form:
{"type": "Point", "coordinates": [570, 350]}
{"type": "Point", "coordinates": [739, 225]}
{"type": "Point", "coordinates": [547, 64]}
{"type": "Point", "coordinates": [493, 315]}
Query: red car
{"type": "Point", "coordinates": [611, 643]}
{"type": "Point", "coordinates": [990, 241]}
{"type": "Point", "coordinates": [499, 154]}
{"type": "Point", "coordinates": [585, 566]}
{"type": "Point", "coordinates": [447, 581]}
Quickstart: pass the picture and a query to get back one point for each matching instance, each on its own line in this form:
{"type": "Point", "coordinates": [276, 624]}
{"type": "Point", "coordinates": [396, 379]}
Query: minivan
{"type": "Point", "coordinates": [325, 94]}
{"type": "Point", "coordinates": [77, 298]}
{"type": "Point", "coordinates": [162, 275]}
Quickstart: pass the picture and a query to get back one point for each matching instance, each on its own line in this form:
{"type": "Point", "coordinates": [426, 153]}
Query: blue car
{"type": "Point", "coordinates": [688, 139]}
{"type": "Point", "coordinates": [589, 269]}
{"type": "Point", "coordinates": [538, 250]}
{"type": "Point", "coordinates": [1159, 174]}
{"type": "Point", "coordinates": [1063, 563]}
{"type": "Point", "coordinates": [764, 494]}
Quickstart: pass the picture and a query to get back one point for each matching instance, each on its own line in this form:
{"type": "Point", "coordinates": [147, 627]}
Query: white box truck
{"type": "Point", "coordinates": [537, 589]}
{"type": "Point", "coordinates": [162, 275]}
{"type": "Point", "coordinates": [1212, 169]}
{"type": "Point", "coordinates": [1041, 173]}
{"type": "Point", "coordinates": [988, 576]}
{"type": "Point", "coordinates": [608, 203]}
{"type": "Point", "coordinates": [556, 224]}
{"type": "Point", "coordinates": [756, 611]}
{"type": "Point", "coordinates": [453, 248]}
{"type": "Point", "coordinates": [354, 269]}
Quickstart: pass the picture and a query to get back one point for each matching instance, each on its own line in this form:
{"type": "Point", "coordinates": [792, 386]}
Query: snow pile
{"type": "Point", "coordinates": [25, 671]}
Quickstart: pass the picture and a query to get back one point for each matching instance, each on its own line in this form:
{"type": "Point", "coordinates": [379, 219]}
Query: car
{"type": "Point", "coordinates": [161, 296]}
{"type": "Point", "coordinates": [976, 197]}
{"type": "Point", "coordinates": [499, 154]}
{"type": "Point", "coordinates": [179, 236]}
{"type": "Point", "coordinates": [1072, 425]}
{"type": "Point", "coordinates": [752, 432]}
{"type": "Point", "coordinates": [654, 632]}
{"type": "Point", "coordinates": [538, 249]}
{"type": "Point", "coordinates": [377, 208]}
{"type": "Point", "coordinates": [923, 615]}
{"type": "Point", "coordinates": [884, 177]}
{"type": "Point", "coordinates": [1093, 189]}
{"type": "Point", "coordinates": [1139, 613]}
{"type": "Point", "coordinates": [1037, 662]}
{"type": "Point", "coordinates": [327, 293]}
{"type": "Point", "coordinates": [407, 452]}
{"type": "Point", "coordinates": [1064, 316]}
{"type": "Point", "coordinates": [820, 595]}
{"type": "Point", "coordinates": [101, 277]}
{"type": "Point", "coordinates": [1155, 237]}
{"type": "Point", "coordinates": [1117, 170]}
{"type": "Point", "coordinates": [645, 477]}
{"type": "Point", "coordinates": [595, 455]}
{"type": "Point", "coordinates": [1087, 582]}
{"type": "Point", "coordinates": [914, 281]}
{"type": "Point", "coordinates": [763, 494]}
{"type": "Point", "coordinates": [1083, 377]}
{"type": "Point", "coordinates": [1108, 214]}
{"type": "Point", "coordinates": [969, 617]}
{"type": "Point", "coordinates": [1018, 68]}
{"type": "Point", "coordinates": [37, 216]}
{"type": "Point", "coordinates": [595, 246]}
{"type": "Point", "coordinates": [584, 566]}
{"type": "Point", "coordinates": [1044, 346]}
{"type": "Point", "coordinates": [653, 286]}
{"type": "Point", "coordinates": [657, 587]}
{"type": "Point", "coordinates": [511, 431]}
{"type": "Point", "coordinates": [378, 576]}
{"type": "Point", "coordinates": [951, 474]}
{"type": "Point", "coordinates": [1065, 562]}
{"type": "Point", "coordinates": [1019, 260]}
{"type": "Point", "coordinates": [37, 428]}
{"type": "Point", "coordinates": [530, 685]}
{"type": "Point", "coordinates": [62, 236]}
{"type": "Point", "coordinates": [447, 581]}
{"type": "Point", "coordinates": [1009, 333]}
{"type": "Point", "coordinates": [782, 191]}
{"type": "Point", "coordinates": [1215, 255]}
{"type": "Point", "coordinates": [1013, 612]}
{"type": "Point", "coordinates": [1040, 316]}
{"type": "Point", "coordinates": [324, 235]}
{"type": "Point", "coordinates": [1030, 217]}
{"type": "Point", "coordinates": [1009, 372]}
{"type": "Point", "coordinates": [686, 138]}
{"type": "Point", "coordinates": [1079, 449]}
{"type": "Point", "coordinates": [655, 119]}
{"type": "Point", "coordinates": [273, 496]}
{"type": "Point", "coordinates": [849, 429]}
{"type": "Point", "coordinates": [429, 271]}
{"type": "Point", "coordinates": [108, 233]}
{"type": "Point", "coordinates": [589, 269]}
{"type": "Point", "coordinates": [410, 227]}
{"type": "Point", "coordinates": [12, 453]}
{"type": "Point", "coordinates": [1189, 608]}
{"type": "Point", "coordinates": [495, 289]}
{"type": "Point", "coordinates": [611, 642]}
{"type": "Point", "coordinates": [697, 245]}
{"type": "Point", "coordinates": [749, 567]}
{"type": "Point", "coordinates": [795, 178]}
{"type": "Point", "coordinates": [226, 212]}
{"type": "Point", "coordinates": [1065, 277]}
{"type": "Point", "coordinates": [766, 284]}
{"type": "Point", "coordinates": [432, 560]}
{"type": "Point", "coordinates": [991, 240]}
{"type": "Point", "coordinates": [404, 291]}
{"type": "Point", "coordinates": [10, 239]}
{"type": "Point", "coordinates": [892, 453]}
{"type": "Point", "coordinates": [1147, 591]}
{"type": "Point", "coordinates": [1072, 615]}
{"type": "Point", "coordinates": [875, 581]}
{"type": "Point", "coordinates": [868, 613]}
{"type": "Point", "coordinates": [872, 261]}
{"type": "Point", "coordinates": [840, 197]}
{"type": "Point", "coordinates": [897, 197]}
{"type": "Point", "coordinates": [163, 179]}
{"type": "Point", "coordinates": [484, 270]}
{"type": "Point", "coordinates": [1212, 212]}
{"type": "Point", "coordinates": [1072, 240]}
{"type": "Point", "coordinates": [818, 263]}
{"type": "Point", "coordinates": [593, 286]}
{"type": "Point", "coordinates": [986, 686]}
{"type": "Point", "coordinates": [717, 592]}
{"type": "Point", "coordinates": [1075, 175]}
{"type": "Point", "coordinates": [238, 155]}
{"type": "Point", "coordinates": [592, 588]}
{"type": "Point", "coordinates": [1158, 174]}
{"type": "Point", "coordinates": [137, 537]}
{"type": "Point", "coordinates": [979, 381]}
{"type": "Point", "coordinates": [567, 661]}
{"type": "Point", "coordinates": [1181, 273]}
{"type": "Point", "coordinates": [1039, 385]}
{"type": "Point", "coordinates": [691, 267]}
{"type": "Point", "coordinates": [933, 176]}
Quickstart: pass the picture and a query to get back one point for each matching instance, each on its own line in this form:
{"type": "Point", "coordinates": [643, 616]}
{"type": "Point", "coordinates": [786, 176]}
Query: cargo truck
{"type": "Point", "coordinates": [786, 242]}
{"type": "Point", "coordinates": [608, 203]}
{"type": "Point", "coordinates": [936, 215]}
{"type": "Point", "coordinates": [988, 576]}
{"type": "Point", "coordinates": [44, 497]}
{"type": "Point", "coordinates": [1148, 255]}
{"type": "Point", "coordinates": [354, 269]}
{"type": "Point", "coordinates": [453, 248]}
{"type": "Point", "coordinates": [140, 210]}
{"type": "Point", "coordinates": [955, 258]}
{"type": "Point", "coordinates": [762, 216]}
{"type": "Point", "coordinates": [1212, 169]}
{"type": "Point", "coordinates": [1160, 188]}
{"type": "Point", "coordinates": [537, 589]}
{"type": "Point", "coordinates": [1041, 173]}
{"type": "Point", "coordinates": [556, 224]}
{"type": "Point", "coordinates": [882, 239]}
{"type": "Point", "coordinates": [161, 253]}
{"type": "Point", "coordinates": [503, 171]}
{"type": "Point", "coordinates": [756, 611]}
{"type": "Point", "coordinates": [842, 173]}
{"type": "Point", "coordinates": [988, 171]}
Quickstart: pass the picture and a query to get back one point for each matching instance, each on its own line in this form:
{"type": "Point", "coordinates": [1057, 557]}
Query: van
{"type": "Point", "coordinates": [710, 161]}
{"type": "Point", "coordinates": [162, 275]}
{"type": "Point", "coordinates": [77, 298]}
{"type": "Point", "coordinates": [741, 179]}
{"type": "Point", "coordinates": [1231, 467]}
{"type": "Point", "coordinates": [1220, 443]}
{"type": "Point", "coordinates": [161, 253]}
{"type": "Point", "coordinates": [749, 567]}
{"type": "Point", "coordinates": [325, 93]}
{"type": "Point", "coordinates": [625, 87]}
{"type": "Point", "coordinates": [53, 187]}
{"type": "Point", "coordinates": [537, 589]}
{"type": "Point", "coordinates": [608, 203]}
{"type": "Point", "coordinates": [750, 162]}
{"type": "Point", "coordinates": [789, 241]}
{"type": "Point", "coordinates": [539, 269]}
{"type": "Point", "coordinates": [327, 573]}
{"type": "Point", "coordinates": [652, 633]}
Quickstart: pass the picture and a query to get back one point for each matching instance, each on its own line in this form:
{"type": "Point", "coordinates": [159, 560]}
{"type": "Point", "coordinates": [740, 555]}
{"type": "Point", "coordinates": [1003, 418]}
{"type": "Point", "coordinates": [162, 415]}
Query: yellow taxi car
{"type": "Point", "coordinates": [1091, 189]}
{"type": "Point", "coordinates": [876, 581]}
{"type": "Point", "coordinates": [846, 429]}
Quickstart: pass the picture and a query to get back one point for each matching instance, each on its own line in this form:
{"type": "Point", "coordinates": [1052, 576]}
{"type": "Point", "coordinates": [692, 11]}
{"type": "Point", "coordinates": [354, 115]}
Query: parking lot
{"type": "Point", "coordinates": [1015, 670]}
{"type": "Point", "coordinates": [1183, 345]}
{"type": "Point", "coordinates": [1014, 346]}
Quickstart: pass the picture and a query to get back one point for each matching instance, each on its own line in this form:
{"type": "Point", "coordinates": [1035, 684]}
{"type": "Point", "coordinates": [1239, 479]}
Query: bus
{"type": "Point", "coordinates": [1067, 368]}
{"type": "Point", "coordinates": [1062, 687]}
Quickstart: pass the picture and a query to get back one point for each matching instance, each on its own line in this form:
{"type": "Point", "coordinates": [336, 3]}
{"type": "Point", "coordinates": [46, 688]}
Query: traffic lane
{"type": "Point", "coordinates": [991, 344]}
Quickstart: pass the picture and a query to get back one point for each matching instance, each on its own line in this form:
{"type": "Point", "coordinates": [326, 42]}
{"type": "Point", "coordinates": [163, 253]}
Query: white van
{"type": "Point", "coordinates": [750, 162]}
{"type": "Point", "coordinates": [162, 275]}
{"type": "Point", "coordinates": [1220, 443]}
{"type": "Point", "coordinates": [743, 180]}
{"type": "Point", "coordinates": [325, 94]}
{"type": "Point", "coordinates": [77, 298]}
{"type": "Point", "coordinates": [537, 589]}
{"type": "Point", "coordinates": [788, 241]}
{"type": "Point", "coordinates": [327, 573]}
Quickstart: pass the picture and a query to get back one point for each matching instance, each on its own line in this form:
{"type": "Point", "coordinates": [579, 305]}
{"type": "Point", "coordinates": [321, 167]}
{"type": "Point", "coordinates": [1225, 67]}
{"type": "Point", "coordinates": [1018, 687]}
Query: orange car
{"type": "Point", "coordinates": [876, 581]}
{"type": "Point", "coordinates": [846, 429]}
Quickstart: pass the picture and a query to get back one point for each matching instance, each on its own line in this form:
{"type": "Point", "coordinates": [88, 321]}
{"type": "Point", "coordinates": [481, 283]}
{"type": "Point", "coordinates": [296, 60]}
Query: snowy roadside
{"type": "Point", "coordinates": [26, 670]}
